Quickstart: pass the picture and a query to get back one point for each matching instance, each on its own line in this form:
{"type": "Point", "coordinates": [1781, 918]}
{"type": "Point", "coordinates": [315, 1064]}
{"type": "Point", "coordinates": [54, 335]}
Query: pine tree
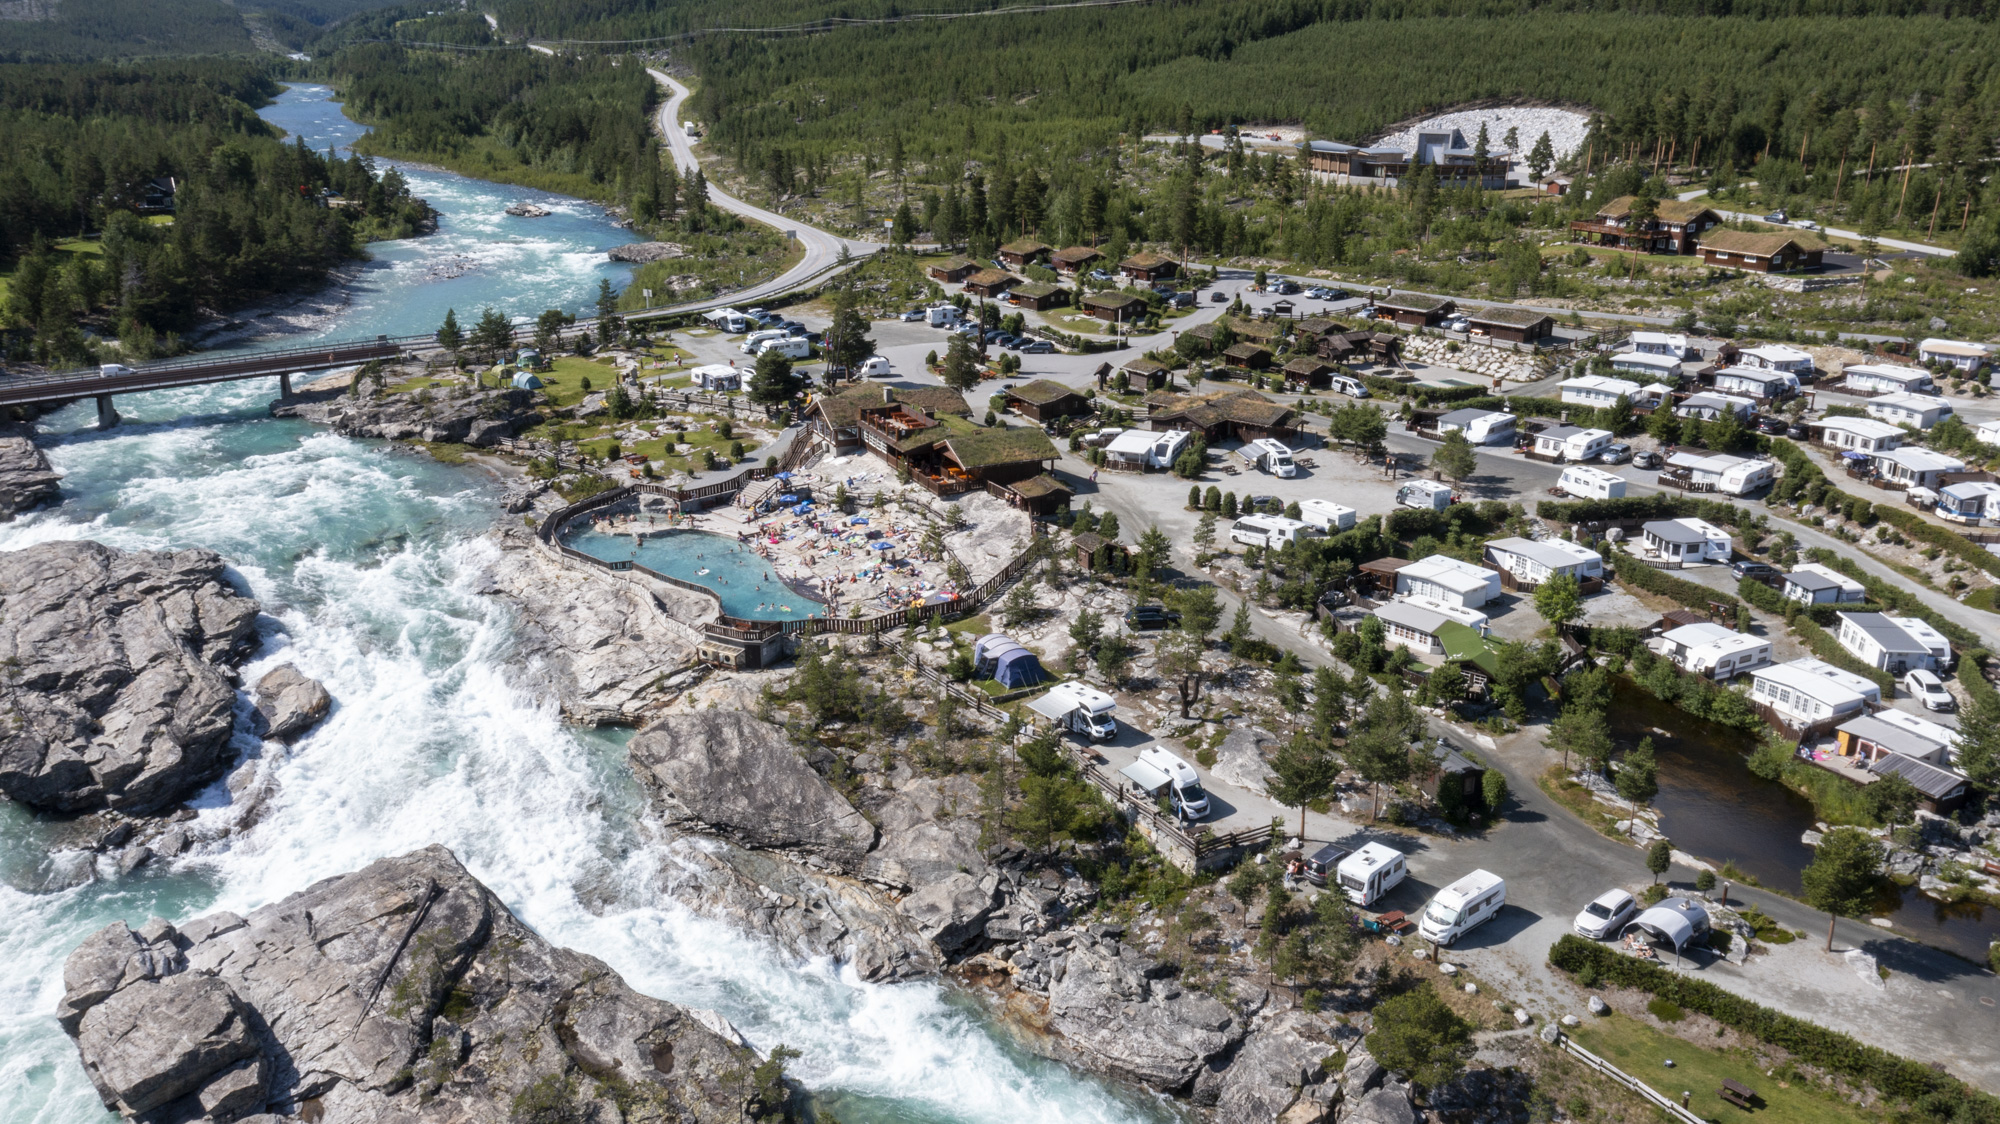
{"type": "Point", "coordinates": [1541, 157]}
{"type": "Point", "coordinates": [961, 370]}
{"type": "Point", "coordinates": [449, 336]}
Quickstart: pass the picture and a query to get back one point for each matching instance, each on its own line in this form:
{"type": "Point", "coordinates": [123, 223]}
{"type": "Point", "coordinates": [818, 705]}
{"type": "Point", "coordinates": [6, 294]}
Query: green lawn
{"type": "Point", "coordinates": [1639, 1049]}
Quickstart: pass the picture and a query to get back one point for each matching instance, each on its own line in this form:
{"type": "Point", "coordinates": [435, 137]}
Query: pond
{"type": "Point", "coordinates": [1713, 807]}
{"type": "Point", "coordinates": [747, 584]}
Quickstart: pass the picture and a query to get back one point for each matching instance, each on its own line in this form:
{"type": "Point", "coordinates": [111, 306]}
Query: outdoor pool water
{"type": "Point", "coordinates": [747, 583]}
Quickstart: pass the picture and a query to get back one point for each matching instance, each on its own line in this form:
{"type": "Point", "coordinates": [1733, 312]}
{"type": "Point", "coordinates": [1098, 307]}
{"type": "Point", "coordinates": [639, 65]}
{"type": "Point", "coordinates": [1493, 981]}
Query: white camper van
{"type": "Point", "coordinates": [1371, 872]}
{"type": "Point", "coordinates": [1269, 456]}
{"type": "Point", "coordinates": [1189, 800]}
{"type": "Point", "coordinates": [1591, 483]}
{"type": "Point", "coordinates": [1271, 531]}
{"type": "Point", "coordinates": [1424, 495]}
{"type": "Point", "coordinates": [1326, 515]}
{"type": "Point", "coordinates": [1349, 386]}
{"type": "Point", "coordinates": [1463, 906]}
{"type": "Point", "coordinates": [1079, 709]}
{"type": "Point", "coordinates": [791, 347]}
{"type": "Point", "coordinates": [755, 340]}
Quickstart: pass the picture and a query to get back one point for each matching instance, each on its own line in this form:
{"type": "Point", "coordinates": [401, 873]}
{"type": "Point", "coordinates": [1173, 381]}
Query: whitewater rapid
{"type": "Point", "coordinates": [367, 561]}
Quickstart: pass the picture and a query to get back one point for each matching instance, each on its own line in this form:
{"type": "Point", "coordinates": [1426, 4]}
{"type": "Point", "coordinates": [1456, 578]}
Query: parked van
{"type": "Point", "coordinates": [791, 347]}
{"type": "Point", "coordinates": [1591, 483]}
{"type": "Point", "coordinates": [873, 367]}
{"type": "Point", "coordinates": [1272, 531]}
{"type": "Point", "coordinates": [1269, 456]}
{"type": "Point", "coordinates": [1351, 387]}
{"type": "Point", "coordinates": [1371, 872]}
{"type": "Point", "coordinates": [1462, 907]}
{"type": "Point", "coordinates": [755, 340]}
{"type": "Point", "coordinates": [1327, 516]}
{"type": "Point", "coordinates": [1188, 798]}
{"type": "Point", "coordinates": [1424, 495]}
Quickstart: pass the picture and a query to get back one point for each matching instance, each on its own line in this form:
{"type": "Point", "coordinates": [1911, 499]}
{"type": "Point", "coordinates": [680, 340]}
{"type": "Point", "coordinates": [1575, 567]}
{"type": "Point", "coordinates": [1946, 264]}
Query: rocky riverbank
{"type": "Point", "coordinates": [453, 413]}
{"type": "Point", "coordinates": [122, 688]}
{"type": "Point", "coordinates": [402, 992]}
{"type": "Point", "coordinates": [26, 479]}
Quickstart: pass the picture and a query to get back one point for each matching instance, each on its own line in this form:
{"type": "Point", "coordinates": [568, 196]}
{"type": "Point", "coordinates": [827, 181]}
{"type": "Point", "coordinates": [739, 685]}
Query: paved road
{"type": "Point", "coordinates": [1891, 243]}
{"type": "Point", "coordinates": [822, 250]}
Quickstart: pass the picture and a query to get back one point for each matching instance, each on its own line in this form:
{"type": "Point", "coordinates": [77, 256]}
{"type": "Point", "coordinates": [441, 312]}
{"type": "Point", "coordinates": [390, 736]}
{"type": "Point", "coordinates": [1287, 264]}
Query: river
{"type": "Point", "coordinates": [1713, 807]}
{"type": "Point", "coordinates": [365, 559]}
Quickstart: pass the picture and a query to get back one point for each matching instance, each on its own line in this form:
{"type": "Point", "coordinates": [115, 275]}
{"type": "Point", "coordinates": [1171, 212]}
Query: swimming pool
{"type": "Point", "coordinates": [747, 584]}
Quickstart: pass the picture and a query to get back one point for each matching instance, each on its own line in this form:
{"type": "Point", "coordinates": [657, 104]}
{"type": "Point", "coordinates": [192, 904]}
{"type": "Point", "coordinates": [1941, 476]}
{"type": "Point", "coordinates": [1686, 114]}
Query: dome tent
{"type": "Point", "coordinates": [526, 380]}
{"type": "Point", "coordinates": [1015, 666]}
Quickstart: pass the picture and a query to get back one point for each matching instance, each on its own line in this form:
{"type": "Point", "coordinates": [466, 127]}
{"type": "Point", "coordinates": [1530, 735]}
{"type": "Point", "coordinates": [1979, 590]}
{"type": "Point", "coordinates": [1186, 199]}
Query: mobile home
{"type": "Point", "coordinates": [1268, 530]}
{"type": "Point", "coordinates": [1326, 515]}
{"type": "Point", "coordinates": [1591, 483]}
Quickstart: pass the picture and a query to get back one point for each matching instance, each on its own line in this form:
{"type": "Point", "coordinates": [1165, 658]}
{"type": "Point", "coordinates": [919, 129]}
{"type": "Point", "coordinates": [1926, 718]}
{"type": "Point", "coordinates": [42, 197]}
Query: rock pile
{"type": "Point", "coordinates": [122, 687]}
{"type": "Point", "coordinates": [1472, 358]}
{"type": "Point", "coordinates": [405, 991]}
{"type": "Point", "coordinates": [639, 253]}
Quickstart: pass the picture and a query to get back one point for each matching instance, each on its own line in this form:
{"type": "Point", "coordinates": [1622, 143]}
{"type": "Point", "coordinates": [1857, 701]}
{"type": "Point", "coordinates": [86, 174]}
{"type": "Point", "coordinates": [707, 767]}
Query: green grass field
{"type": "Point", "coordinates": [1640, 1049]}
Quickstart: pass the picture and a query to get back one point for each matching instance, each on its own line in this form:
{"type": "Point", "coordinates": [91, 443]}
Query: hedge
{"type": "Point", "coordinates": [1763, 596]}
{"type": "Point", "coordinates": [1945, 1097]}
{"type": "Point", "coordinates": [1633, 572]}
{"type": "Point", "coordinates": [1659, 505]}
{"type": "Point", "coordinates": [1823, 645]}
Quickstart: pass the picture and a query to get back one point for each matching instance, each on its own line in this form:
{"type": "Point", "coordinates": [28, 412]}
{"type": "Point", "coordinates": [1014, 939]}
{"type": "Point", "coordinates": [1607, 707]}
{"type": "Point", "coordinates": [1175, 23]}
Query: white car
{"type": "Point", "coordinates": [1928, 689]}
{"type": "Point", "coordinates": [1605, 917]}
{"type": "Point", "coordinates": [1456, 324]}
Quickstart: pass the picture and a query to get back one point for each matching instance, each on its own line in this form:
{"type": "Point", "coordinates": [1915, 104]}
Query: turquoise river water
{"type": "Point", "coordinates": [366, 560]}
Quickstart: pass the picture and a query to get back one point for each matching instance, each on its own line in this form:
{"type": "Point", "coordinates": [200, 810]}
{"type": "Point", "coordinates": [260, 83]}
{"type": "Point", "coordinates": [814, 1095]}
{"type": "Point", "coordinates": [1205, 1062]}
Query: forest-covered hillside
{"type": "Point", "coordinates": [87, 239]}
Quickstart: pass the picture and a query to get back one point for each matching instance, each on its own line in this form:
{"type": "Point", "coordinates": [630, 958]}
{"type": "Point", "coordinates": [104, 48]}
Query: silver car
{"type": "Point", "coordinates": [1606, 916]}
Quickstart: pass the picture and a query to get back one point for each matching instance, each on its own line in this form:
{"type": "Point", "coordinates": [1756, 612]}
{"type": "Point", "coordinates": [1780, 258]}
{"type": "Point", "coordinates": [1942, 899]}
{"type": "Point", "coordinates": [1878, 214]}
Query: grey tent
{"type": "Point", "coordinates": [526, 380]}
{"type": "Point", "coordinates": [986, 647]}
{"type": "Point", "coordinates": [1675, 921]}
{"type": "Point", "coordinates": [1015, 666]}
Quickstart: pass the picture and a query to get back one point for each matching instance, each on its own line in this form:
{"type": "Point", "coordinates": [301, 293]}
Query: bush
{"type": "Point", "coordinates": [1665, 1010]}
{"type": "Point", "coordinates": [1631, 571]}
{"type": "Point", "coordinates": [1944, 1096]}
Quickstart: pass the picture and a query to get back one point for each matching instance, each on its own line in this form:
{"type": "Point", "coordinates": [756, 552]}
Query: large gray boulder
{"type": "Point", "coordinates": [26, 480]}
{"type": "Point", "coordinates": [1389, 1104]}
{"type": "Point", "coordinates": [923, 840]}
{"type": "Point", "coordinates": [402, 992]}
{"type": "Point", "coordinates": [289, 704]}
{"type": "Point", "coordinates": [952, 911]}
{"type": "Point", "coordinates": [737, 776]}
{"type": "Point", "coordinates": [1106, 1006]}
{"type": "Point", "coordinates": [1277, 1060]}
{"type": "Point", "coordinates": [451, 414]}
{"type": "Point", "coordinates": [119, 689]}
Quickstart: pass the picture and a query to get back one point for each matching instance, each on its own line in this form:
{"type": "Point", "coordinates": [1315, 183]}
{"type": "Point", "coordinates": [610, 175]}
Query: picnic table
{"type": "Point", "coordinates": [1736, 1094]}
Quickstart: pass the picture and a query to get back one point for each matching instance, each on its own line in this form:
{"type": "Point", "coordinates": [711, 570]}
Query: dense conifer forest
{"type": "Point", "coordinates": [133, 196]}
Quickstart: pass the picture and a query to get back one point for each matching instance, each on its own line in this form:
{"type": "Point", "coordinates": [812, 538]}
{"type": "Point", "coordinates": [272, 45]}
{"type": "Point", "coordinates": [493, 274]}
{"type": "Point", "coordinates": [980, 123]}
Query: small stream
{"type": "Point", "coordinates": [1712, 806]}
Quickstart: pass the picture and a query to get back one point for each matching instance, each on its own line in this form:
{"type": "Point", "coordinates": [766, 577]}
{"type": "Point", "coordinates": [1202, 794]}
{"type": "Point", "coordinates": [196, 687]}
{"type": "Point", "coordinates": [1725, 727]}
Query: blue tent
{"type": "Point", "coordinates": [526, 380]}
{"type": "Point", "coordinates": [1016, 667]}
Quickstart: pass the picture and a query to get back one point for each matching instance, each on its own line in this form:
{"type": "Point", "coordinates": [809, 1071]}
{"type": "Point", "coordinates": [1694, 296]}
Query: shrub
{"type": "Point", "coordinates": [1633, 572]}
{"type": "Point", "coordinates": [1665, 1010]}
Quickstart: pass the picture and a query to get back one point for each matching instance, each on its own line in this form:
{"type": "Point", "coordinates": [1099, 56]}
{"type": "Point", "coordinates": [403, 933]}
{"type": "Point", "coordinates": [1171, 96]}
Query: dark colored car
{"type": "Point", "coordinates": [1219, 298]}
{"type": "Point", "coordinates": [1151, 616]}
{"type": "Point", "coordinates": [1771, 425]}
{"type": "Point", "coordinates": [1037, 347]}
{"type": "Point", "coordinates": [1321, 864]}
{"type": "Point", "coordinates": [1746, 568]}
{"type": "Point", "coordinates": [1797, 432]}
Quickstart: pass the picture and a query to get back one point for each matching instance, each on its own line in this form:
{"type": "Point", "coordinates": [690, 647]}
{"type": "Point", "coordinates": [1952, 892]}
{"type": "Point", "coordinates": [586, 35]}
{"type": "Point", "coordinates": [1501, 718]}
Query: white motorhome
{"type": "Point", "coordinates": [755, 340]}
{"type": "Point", "coordinates": [113, 369]}
{"type": "Point", "coordinates": [1269, 456]}
{"type": "Point", "coordinates": [1424, 495]}
{"type": "Point", "coordinates": [1079, 710]}
{"type": "Point", "coordinates": [1143, 449]}
{"type": "Point", "coordinates": [727, 319]}
{"type": "Point", "coordinates": [1591, 483]}
{"type": "Point", "coordinates": [1371, 872]}
{"type": "Point", "coordinates": [791, 347]}
{"type": "Point", "coordinates": [1326, 515]}
{"type": "Point", "coordinates": [1157, 771]}
{"type": "Point", "coordinates": [1463, 906]}
{"type": "Point", "coordinates": [1271, 531]}
{"type": "Point", "coordinates": [944, 316]}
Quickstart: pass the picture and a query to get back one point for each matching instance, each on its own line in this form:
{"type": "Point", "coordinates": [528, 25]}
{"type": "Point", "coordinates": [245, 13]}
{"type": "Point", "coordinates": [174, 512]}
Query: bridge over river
{"type": "Point", "coordinates": [103, 383]}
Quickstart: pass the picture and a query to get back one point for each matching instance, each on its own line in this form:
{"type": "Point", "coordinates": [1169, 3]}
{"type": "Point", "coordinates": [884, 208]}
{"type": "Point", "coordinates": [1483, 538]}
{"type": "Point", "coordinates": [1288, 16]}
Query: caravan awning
{"type": "Point", "coordinates": [1676, 921]}
{"type": "Point", "coordinates": [1144, 777]}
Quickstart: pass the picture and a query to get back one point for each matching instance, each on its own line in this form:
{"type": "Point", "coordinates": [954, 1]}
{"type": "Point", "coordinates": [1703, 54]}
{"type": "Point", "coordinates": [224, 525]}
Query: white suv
{"type": "Point", "coordinates": [1927, 688]}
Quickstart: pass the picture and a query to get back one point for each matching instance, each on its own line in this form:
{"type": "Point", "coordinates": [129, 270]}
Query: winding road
{"type": "Point", "coordinates": [822, 250]}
